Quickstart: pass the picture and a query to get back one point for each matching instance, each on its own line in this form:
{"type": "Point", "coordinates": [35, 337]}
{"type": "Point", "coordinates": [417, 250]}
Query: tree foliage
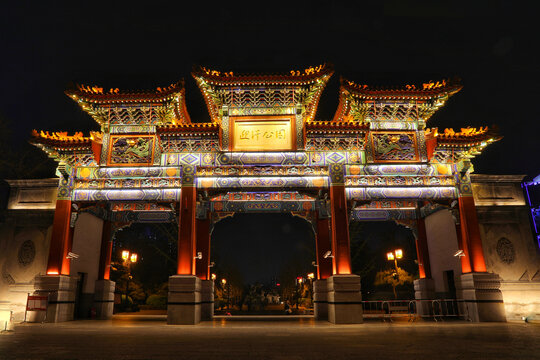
{"type": "Point", "coordinates": [393, 278]}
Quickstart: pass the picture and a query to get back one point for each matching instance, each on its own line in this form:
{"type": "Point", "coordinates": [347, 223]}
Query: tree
{"type": "Point", "coordinates": [393, 278]}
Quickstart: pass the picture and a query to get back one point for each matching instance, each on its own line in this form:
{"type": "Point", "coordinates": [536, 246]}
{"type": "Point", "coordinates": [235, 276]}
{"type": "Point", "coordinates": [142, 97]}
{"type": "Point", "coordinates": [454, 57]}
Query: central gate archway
{"type": "Point", "coordinates": [261, 256]}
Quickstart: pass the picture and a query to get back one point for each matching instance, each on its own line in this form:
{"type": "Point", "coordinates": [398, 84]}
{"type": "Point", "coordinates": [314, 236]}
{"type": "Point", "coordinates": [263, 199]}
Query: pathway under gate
{"type": "Point", "coordinates": [296, 338]}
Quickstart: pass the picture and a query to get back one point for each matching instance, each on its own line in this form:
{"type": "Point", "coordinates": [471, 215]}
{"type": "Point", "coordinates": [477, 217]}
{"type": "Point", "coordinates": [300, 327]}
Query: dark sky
{"type": "Point", "coordinates": [491, 45]}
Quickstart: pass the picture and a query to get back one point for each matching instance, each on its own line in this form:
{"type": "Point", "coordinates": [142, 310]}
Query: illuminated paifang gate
{"type": "Point", "coordinates": [263, 151]}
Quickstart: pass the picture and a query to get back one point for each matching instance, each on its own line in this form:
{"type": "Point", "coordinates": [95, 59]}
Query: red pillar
{"type": "Point", "coordinates": [106, 252]}
{"type": "Point", "coordinates": [470, 234]}
{"type": "Point", "coordinates": [186, 232]}
{"type": "Point", "coordinates": [323, 245]}
{"type": "Point", "coordinates": [465, 260]}
{"type": "Point", "coordinates": [340, 230]}
{"type": "Point", "coordinates": [61, 239]}
{"type": "Point", "coordinates": [424, 266]}
{"type": "Point", "coordinates": [202, 269]}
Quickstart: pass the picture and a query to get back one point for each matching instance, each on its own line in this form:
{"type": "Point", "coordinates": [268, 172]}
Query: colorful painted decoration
{"type": "Point", "coordinates": [130, 150]}
{"type": "Point", "coordinates": [394, 146]}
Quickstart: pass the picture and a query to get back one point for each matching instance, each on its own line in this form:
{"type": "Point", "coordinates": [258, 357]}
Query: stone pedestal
{"type": "Point", "coordinates": [344, 299]}
{"type": "Point", "coordinates": [424, 292]}
{"type": "Point", "coordinates": [207, 300]}
{"type": "Point", "coordinates": [104, 299]}
{"type": "Point", "coordinates": [61, 291]}
{"type": "Point", "coordinates": [320, 300]}
{"type": "Point", "coordinates": [480, 297]}
{"type": "Point", "coordinates": [184, 301]}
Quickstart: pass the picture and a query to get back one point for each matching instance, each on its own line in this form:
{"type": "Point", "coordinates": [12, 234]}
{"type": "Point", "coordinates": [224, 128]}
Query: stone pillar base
{"type": "Point", "coordinates": [207, 300]}
{"type": "Point", "coordinates": [424, 291]}
{"type": "Point", "coordinates": [104, 299]}
{"type": "Point", "coordinates": [61, 290]}
{"type": "Point", "coordinates": [480, 297]}
{"type": "Point", "coordinates": [344, 299]}
{"type": "Point", "coordinates": [320, 300]}
{"type": "Point", "coordinates": [184, 301]}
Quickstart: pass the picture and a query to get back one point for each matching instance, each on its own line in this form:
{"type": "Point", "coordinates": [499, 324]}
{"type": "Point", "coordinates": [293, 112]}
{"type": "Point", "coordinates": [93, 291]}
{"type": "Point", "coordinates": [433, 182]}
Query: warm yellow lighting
{"type": "Point", "coordinates": [5, 315]}
{"type": "Point", "coordinates": [133, 258]}
{"type": "Point", "coordinates": [390, 256]}
{"type": "Point", "coordinates": [213, 276]}
{"type": "Point", "coordinates": [399, 253]}
{"type": "Point", "coordinates": [260, 135]}
{"type": "Point", "coordinates": [311, 276]}
{"type": "Point", "coordinates": [300, 280]}
{"type": "Point", "coordinates": [223, 281]}
{"type": "Point", "coordinates": [125, 255]}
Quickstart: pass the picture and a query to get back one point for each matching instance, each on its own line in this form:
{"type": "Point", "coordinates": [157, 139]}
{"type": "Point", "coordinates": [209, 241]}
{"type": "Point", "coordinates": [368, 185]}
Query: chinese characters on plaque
{"type": "Point", "coordinates": [255, 134]}
{"type": "Point", "coordinates": [261, 135]}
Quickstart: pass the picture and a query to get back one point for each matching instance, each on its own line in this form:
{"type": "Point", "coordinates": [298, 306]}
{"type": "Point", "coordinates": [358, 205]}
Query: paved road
{"type": "Point", "coordinates": [129, 337]}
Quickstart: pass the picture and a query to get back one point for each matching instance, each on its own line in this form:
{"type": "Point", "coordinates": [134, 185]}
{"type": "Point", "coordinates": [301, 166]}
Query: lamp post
{"type": "Point", "coordinates": [224, 282]}
{"type": "Point", "coordinates": [129, 258]}
{"type": "Point", "coordinates": [299, 281]}
{"type": "Point", "coordinates": [394, 256]}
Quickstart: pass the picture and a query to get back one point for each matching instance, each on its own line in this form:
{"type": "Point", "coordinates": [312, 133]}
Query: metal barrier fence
{"type": "Point", "coordinates": [438, 309]}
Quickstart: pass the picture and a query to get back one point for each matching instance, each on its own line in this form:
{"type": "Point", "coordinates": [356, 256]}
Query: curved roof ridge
{"type": "Point", "coordinates": [98, 94]}
{"type": "Point", "coordinates": [311, 73]}
{"type": "Point", "coordinates": [428, 89]}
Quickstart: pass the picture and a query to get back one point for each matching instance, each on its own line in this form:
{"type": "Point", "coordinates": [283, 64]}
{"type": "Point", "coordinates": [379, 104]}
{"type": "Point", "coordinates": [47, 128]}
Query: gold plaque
{"type": "Point", "coordinates": [274, 134]}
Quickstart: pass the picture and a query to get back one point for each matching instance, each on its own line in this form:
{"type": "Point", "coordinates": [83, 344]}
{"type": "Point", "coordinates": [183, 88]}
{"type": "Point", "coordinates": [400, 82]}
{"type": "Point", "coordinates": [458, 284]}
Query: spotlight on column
{"type": "Point", "coordinates": [199, 256]}
{"type": "Point", "coordinates": [459, 253]}
{"type": "Point", "coordinates": [212, 264]}
{"type": "Point", "coordinates": [328, 254]}
{"type": "Point", "coordinates": [314, 263]}
{"type": "Point", "coordinates": [71, 255]}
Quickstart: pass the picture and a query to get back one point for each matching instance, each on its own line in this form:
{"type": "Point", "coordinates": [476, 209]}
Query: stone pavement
{"type": "Point", "coordinates": [148, 337]}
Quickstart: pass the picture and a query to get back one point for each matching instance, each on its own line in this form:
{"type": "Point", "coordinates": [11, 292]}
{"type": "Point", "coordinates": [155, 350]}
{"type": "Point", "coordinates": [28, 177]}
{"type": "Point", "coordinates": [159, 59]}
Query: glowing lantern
{"type": "Point", "coordinates": [133, 258]}
{"type": "Point", "coordinates": [390, 256]}
{"type": "Point", "coordinates": [399, 253]}
{"type": "Point", "coordinates": [125, 255]}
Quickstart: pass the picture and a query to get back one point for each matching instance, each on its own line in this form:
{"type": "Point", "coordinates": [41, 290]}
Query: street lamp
{"type": "Point", "coordinates": [224, 282]}
{"type": "Point", "coordinates": [129, 258]}
{"type": "Point", "coordinates": [394, 256]}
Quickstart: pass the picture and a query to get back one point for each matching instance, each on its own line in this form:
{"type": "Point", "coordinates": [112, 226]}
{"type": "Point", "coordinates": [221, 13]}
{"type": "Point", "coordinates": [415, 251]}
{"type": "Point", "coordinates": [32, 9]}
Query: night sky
{"type": "Point", "coordinates": [490, 45]}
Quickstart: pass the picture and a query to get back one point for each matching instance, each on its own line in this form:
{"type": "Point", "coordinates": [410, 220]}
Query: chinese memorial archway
{"type": "Point", "coordinates": [264, 151]}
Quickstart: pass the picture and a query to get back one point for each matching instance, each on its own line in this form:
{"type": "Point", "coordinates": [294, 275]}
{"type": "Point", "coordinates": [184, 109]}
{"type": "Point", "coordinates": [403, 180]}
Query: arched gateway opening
{"type": "Point", "coordinates": [264, 151]}
{"type": "Point", "coordinates": [260, 262]}
{"type": "Point", "coordinates": [143, 258]}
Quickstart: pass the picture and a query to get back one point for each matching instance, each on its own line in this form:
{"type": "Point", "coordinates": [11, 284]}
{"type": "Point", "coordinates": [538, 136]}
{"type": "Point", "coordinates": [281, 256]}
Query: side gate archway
{"type": "Point", "coordinates": [262, 151]}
